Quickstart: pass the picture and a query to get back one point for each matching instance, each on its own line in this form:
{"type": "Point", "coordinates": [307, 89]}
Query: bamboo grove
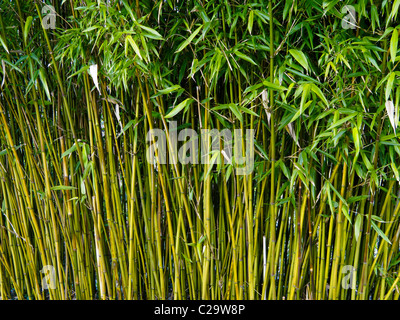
{"type": "Point", "coordinates": [79, 199]}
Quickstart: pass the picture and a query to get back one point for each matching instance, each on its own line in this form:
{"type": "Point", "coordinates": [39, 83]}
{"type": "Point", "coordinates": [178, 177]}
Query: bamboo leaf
{"type": "Point", "coordinates": [3, 43]}
{"type": "Point", "coordinates": [395, 10]}
{"type": "Point", "coordinates": [57, 188]}
{"type": "Point", "coordinates": [356, 138]}
{"type": "Point", "coordinates": [42, 77]}
{"type": "Point", "coordinates": [300, 58]}
{"type": "Point", "coordinates": [319, 93]}
{"type": "Point", "coordinates": [185, 43]}
{"type": "Point", "coordinates": [389, 85]}
{"type": "Point", "coordinates": [128, 8]}
{"type": "Point", "coordinates": [235, 111]}
{"type": "Point", "coordinates": [27, 27]}
{"type": "Point", "coordinates": [84, 68]}
{"type": "Point", "coordinates": [151, 33]}
{"type": "Point", "coordinates": [133, 45]}
{"type": "Point", "coordinates": [167, 90]}
{"type": "Point", "coordinates": [390, 109]}
{"type": "Point", "coordinates": [93, 73]}
{"type": "Point", "coordinates": [273, 86]}
{"type": "Point", "coordinates": [178, 108]}
{"type": "Point", "coordinates": [186, 258]}
{"type": "Point", "coordinates": [250, 22]}
{"type": "Point", "coordinates": [376, 218]}
{"type": "Point", "coordinates": [244, 57]}
{"type": "Point", "coordinates": [249, 111]}
{"type": "Point", "coordinates": [127, 126]}
{"type": "Point", "coordinates": [380, 232]}
{"type": "Point", "coordinates": [214, 158]}
{"type": "Point", "coordinates": [341, 121]}
{"type": "Point", "coordinates": [69, 151]}
{"type": "Point", "coordinates": [393, 44]}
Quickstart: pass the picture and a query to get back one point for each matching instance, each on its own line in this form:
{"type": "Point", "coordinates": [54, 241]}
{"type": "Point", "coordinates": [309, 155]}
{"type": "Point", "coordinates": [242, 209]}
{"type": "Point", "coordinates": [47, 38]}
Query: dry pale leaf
{"type": "Point", "coordinates": [93, 73]}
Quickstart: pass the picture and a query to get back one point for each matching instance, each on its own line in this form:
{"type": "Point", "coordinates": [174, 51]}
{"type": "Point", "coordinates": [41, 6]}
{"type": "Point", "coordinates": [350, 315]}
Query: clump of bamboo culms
{"type": "Point", "coordinates": [86, 215]}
